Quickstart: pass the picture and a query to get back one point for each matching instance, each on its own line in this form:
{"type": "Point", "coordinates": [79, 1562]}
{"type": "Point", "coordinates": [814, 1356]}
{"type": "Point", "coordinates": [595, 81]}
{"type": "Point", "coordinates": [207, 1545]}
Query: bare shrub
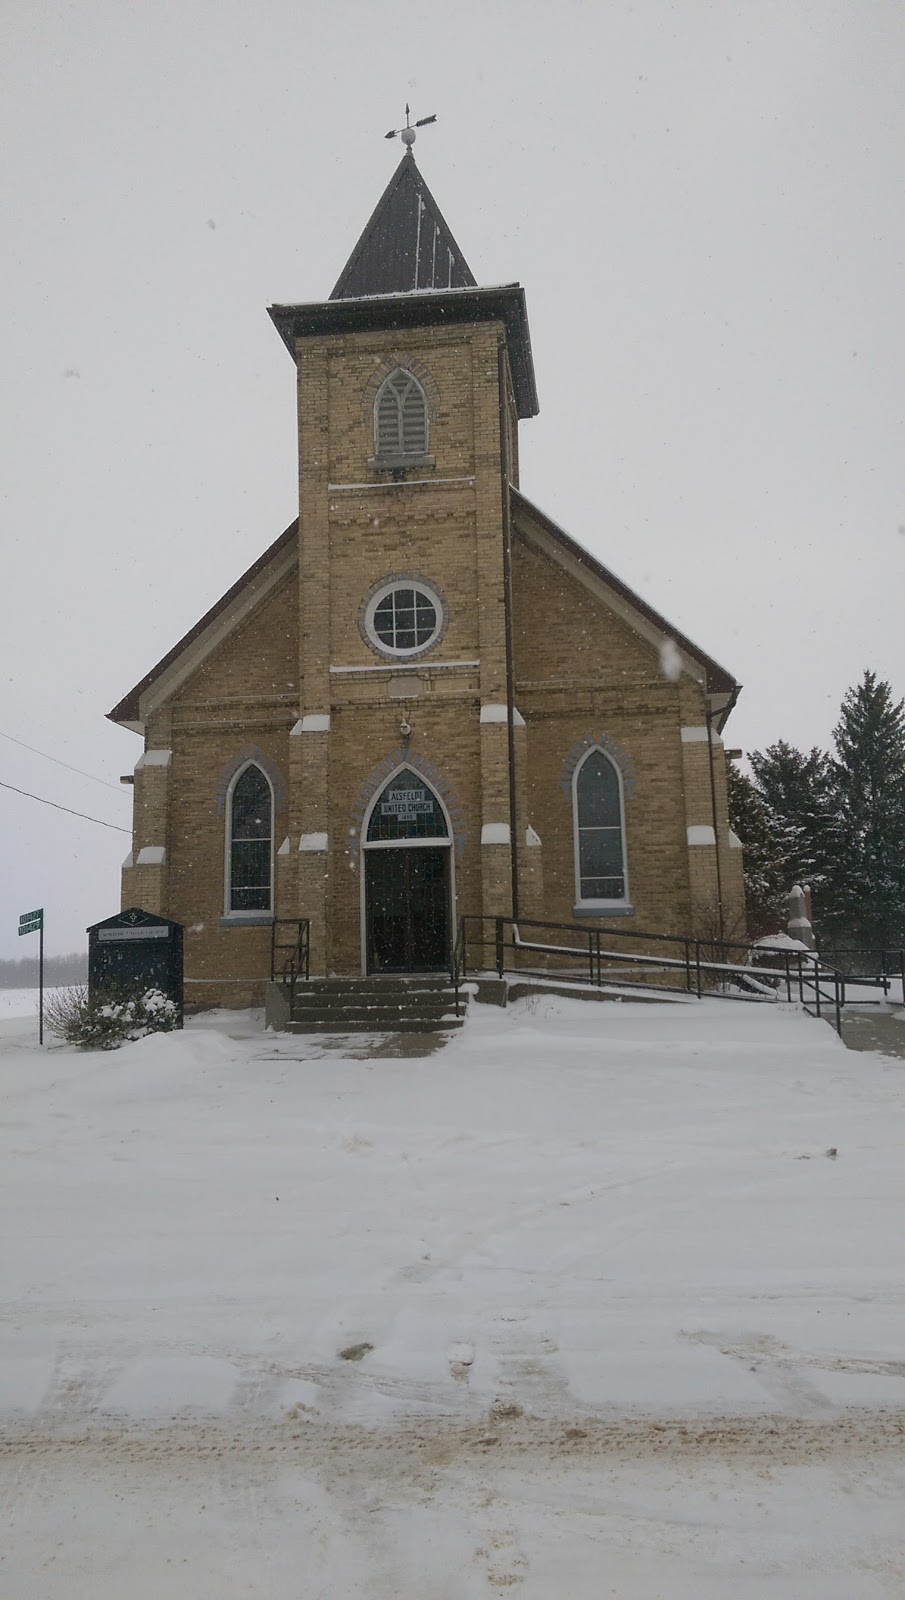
{"type": "Point", "coordinates": [108, 1018]}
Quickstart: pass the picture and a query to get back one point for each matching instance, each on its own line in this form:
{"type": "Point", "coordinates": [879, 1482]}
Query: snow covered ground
{"type": "Point", "coordinates": [577, 1306]}
{"type": "Point", "coordinates": [18, 1003]}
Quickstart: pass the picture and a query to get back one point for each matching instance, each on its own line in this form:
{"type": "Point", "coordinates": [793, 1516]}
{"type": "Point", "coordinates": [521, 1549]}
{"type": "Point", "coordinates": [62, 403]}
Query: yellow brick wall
{"type": "Point", "coordinates": [582, 673]}
{"type": "Point", "coordinates": [443, 363]}
{"type": "Point", "coordinates": [259, 658]}
{"type": "Point", "coordinates": [241, 701]}
{"type": "Point", "coordinates": [354, 537]}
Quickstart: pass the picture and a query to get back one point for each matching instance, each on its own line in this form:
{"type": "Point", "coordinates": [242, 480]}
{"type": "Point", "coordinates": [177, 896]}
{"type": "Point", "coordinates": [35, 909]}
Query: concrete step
{"type": "Point", "coordinates": [378, 986]}
{"type": "Point", "coordinates": [374, 995]}
{"type": "Point", "coordinates": [386, 1016]}
{"type": "Point", "coordinates": [340, 1024]}
{"type": "Point", "coordinates": [370, 997]}
{"type": "Point", "coordinates": [403, 1003]}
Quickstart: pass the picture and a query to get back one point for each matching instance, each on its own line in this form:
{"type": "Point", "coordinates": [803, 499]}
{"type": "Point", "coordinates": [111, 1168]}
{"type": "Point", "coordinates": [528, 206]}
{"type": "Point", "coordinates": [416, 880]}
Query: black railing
{"type": "Point", "coordinates": [870, 968]}
{"type": "Point", "coordinates": [718, 968]}
{"type": "Point", "coordinates": [290, 954]}
{"type": "Point", "coordinates": [457, 962]}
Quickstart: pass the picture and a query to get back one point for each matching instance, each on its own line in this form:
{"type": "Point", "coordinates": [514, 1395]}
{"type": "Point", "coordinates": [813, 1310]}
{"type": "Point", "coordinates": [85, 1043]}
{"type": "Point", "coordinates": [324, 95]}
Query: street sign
{"type": "Point", "coordinates": [33, 922]}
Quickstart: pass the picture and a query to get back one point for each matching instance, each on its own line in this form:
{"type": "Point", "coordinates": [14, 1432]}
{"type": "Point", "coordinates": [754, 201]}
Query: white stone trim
{"type": "Point", "coordinates": [311, 722]}
{"type": "Point", "coordinates": [313, 841]}
{"type": "Point", "coordinates": [603, 908]}
{"type": "Point", "coordinates": [407, 483]}
{"type": "Point", "coordinates": [154, 758]}
{"type": "Point", "coordinates": [128, 863]}
{"type": "Point", "coordinates": [693, 735]}
{"type": "Point", "coordinates": [500, 713]}
{"type": "Point", "coordinates": [495, 833]}
{"type": "Point", "coordinates": [735, 842]}
{"type": "Point", "coordinates": [532, 838]}
{"type": "Point", "coordinates": [152, 855]}
{"type": "Point", "coordinates": [407, 666]}
{"type": "Point", "coordinates": [701, 833]}
{"type": "Point", "coordinates": [284, 847]}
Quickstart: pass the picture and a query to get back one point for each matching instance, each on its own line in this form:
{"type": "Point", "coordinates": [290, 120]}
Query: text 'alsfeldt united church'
{"type": "Point", "coordinates": [424, 700]}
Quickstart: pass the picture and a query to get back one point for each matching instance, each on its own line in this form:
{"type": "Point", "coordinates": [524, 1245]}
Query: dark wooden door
{"type": "Point", "coordinates": [407, 897]}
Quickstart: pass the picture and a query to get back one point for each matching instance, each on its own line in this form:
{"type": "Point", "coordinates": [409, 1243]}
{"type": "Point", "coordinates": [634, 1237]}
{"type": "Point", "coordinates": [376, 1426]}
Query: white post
{"type": "Point", "coordinates": [798, 925]}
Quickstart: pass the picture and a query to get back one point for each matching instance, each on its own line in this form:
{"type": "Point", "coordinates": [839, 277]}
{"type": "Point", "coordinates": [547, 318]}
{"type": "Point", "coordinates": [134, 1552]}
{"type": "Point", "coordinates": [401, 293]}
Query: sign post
{"type": "Point", "coordinates": [33, 922]}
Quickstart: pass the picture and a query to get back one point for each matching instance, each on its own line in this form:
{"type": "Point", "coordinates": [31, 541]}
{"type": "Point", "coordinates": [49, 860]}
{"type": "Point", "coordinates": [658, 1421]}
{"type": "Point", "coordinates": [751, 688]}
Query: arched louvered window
{"type": "Point", "coordinates": [601, 875]}
{"type": "Point", "coordinates": [400, 419]}
{"type": "Point", "coordinates": [250, 842]}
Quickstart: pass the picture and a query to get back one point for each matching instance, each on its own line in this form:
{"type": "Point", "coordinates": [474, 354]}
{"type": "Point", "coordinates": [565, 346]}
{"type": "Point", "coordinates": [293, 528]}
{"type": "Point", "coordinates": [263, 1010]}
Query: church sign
{"type": "Point", "coordinates": [407, 804]}
{"type": "Point", "coordinates": [136, 951]}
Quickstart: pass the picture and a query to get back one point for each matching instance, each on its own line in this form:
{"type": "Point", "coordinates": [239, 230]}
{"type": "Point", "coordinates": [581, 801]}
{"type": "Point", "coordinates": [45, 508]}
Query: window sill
{"type": "Point", "coordinates": [246, 919]}
{"type": "Point", "coordinates": [604, 908]}
{"type": "Point", "coordinates": [400, 463]}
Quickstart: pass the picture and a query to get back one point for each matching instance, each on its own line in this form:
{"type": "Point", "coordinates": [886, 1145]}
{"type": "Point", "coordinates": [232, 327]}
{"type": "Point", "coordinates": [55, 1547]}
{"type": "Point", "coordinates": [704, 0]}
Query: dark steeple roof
{"type": "Point", "coordinates": [406, 244]}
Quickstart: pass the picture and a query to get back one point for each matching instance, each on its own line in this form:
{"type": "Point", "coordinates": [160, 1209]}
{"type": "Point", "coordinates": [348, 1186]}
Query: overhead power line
{"type": "Point", "coordinates": [36, 752]}
{"type": "Point", "coordinates": [116, 828]}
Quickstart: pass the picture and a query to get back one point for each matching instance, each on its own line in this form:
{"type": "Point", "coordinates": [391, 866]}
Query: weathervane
{"type": "Point", "coordinates": [407, 134]}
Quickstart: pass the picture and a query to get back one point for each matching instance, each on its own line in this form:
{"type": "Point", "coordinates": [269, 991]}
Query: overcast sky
{"type": "Point", "coordinates": [704, 203]}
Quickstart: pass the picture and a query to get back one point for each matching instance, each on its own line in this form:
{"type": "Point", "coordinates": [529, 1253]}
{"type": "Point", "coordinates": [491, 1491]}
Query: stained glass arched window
{"type": "Point", "coordinates": [600, 867]}
{"type": "Point", "coordinates": [250, 853]}
{"type": "Point", "coordinates": [406, 808]}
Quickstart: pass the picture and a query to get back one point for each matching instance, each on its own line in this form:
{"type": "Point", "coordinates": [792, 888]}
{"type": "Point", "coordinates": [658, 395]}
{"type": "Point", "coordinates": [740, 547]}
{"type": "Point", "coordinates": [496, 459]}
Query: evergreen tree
{"type": "Point", "coordinates": [867, 903]}
{"type": "Point", "coordinates": [796, 791]}
{"type": "Point", "coordinates": [765, 871]}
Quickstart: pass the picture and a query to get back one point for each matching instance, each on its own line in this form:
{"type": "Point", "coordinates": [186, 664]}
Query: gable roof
{"type": "Point", "coordinates": [128, 710]}
{"type": "Point", "coordinates": [718, 681]}
{"type": "Point", "coordinates": [406, 244]}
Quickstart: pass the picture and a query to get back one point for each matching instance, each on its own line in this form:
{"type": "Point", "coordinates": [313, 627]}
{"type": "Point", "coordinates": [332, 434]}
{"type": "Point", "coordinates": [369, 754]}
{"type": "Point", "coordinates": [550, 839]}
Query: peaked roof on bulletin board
{"type": "Point", "coordinates": [406, 245]}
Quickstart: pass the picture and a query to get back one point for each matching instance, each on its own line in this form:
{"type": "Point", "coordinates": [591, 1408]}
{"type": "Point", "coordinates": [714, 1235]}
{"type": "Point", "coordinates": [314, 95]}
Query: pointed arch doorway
{"type": "Point", "coordinates": [407, 882]}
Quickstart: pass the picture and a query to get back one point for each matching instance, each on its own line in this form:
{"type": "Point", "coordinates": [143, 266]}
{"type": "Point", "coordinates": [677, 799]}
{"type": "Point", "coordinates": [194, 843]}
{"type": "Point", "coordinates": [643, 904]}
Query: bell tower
{"type": "Point", "coordinates": [411, 383]}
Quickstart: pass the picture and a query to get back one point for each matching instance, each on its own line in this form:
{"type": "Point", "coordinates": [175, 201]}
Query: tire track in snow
{"type": "Point", "coordinates": [786, 1373]}
{"type": "Point", "coordinates": [858, 1430]}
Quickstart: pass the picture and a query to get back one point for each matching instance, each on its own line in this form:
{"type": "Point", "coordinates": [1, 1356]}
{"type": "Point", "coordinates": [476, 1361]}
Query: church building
{"type": "Point", "coordinates": [425, 700]}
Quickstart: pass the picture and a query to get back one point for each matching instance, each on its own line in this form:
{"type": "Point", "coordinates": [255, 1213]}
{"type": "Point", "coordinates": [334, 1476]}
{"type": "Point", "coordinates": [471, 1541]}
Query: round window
{"type": "Point", "coordinates": [403, 618]}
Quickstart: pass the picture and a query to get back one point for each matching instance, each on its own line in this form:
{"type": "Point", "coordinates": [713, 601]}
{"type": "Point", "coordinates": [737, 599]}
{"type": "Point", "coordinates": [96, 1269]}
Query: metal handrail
{"type": "Point", "coordinates": [457, 961]}
{"type": "Point", "coordinates": [817, 984]}
{"type": "Point", "coordinates": [849, 962]}
{"type": "Point", "coordinates": [297, 963]}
